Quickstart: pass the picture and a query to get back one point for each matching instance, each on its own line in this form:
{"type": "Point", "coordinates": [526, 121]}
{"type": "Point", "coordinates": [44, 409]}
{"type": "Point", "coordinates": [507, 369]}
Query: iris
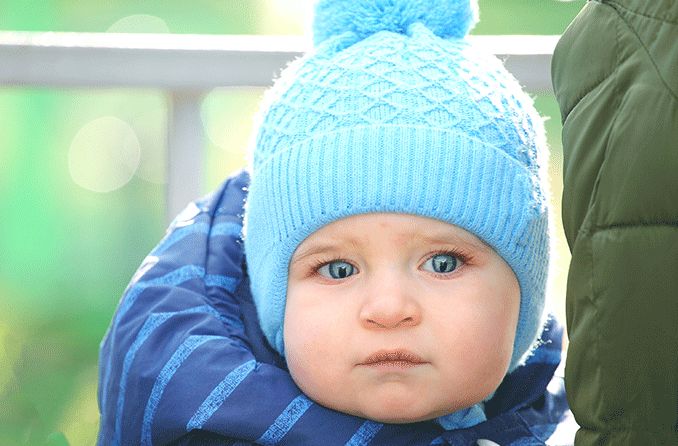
{"type": "Point", "coordinates": [441, 263]}
{"type": "Point", "coordinates": [337, 270]}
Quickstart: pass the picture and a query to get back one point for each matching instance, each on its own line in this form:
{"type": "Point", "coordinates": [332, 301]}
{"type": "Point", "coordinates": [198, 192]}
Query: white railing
{"type": "Point", "coordinates": [189, 66]}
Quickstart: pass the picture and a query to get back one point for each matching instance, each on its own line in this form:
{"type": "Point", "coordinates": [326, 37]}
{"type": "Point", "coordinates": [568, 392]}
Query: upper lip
{"type": "Point", "coordinates": [399, 355]}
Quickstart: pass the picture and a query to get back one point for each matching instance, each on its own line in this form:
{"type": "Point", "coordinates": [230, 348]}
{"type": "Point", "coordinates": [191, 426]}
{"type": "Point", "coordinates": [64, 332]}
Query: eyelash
{"type": "Point", "coordinates": [320, 262]}
{"type": "Point", "coordinates": [460, 254]}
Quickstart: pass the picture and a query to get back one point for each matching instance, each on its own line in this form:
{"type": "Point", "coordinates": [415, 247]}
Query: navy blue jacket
{"type": "Point", "coordinates": [184, 360]}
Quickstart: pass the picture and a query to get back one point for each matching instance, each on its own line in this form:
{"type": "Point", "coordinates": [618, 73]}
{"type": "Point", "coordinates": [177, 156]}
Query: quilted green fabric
{"type": "Point", "coordinates": [615, 73]}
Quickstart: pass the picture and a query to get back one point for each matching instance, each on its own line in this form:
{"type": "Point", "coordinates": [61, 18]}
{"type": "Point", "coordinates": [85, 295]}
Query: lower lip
{"type": "Point", "coordinates": [393, 365]}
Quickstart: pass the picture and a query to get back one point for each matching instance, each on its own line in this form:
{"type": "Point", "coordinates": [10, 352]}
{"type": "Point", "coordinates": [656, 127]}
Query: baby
{"type": "Point", "coordinates": [392, 289]}
{"type": "Point", "coordinates": [397, 232]}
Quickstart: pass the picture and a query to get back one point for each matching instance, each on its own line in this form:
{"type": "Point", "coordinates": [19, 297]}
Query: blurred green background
{"type": "Point", "coordinates": [82, 177]}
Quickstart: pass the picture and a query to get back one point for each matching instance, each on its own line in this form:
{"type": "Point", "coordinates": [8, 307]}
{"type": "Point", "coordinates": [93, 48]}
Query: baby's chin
{"type": "Point", "coordinates": [395, 412]}
{"type": "Point", "coordinates": [398, 418]}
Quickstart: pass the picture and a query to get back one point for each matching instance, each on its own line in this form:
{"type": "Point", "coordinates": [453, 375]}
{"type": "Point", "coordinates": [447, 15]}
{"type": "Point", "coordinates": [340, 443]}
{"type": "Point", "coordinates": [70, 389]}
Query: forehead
{"type": "Point", "coordinates": [400, 229]}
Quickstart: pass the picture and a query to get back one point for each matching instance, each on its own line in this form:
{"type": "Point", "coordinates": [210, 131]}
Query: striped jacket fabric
{"type": "Point", "coordinates": [184, 361]}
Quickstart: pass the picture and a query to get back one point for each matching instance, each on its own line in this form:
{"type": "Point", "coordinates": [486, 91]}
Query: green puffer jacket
{"type": "Point", "coordinates": [615, 73]}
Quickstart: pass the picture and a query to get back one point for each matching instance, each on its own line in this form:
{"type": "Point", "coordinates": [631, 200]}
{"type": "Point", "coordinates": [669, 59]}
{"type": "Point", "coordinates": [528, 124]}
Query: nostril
{"type": "Point", "coordinates": [373, 322]}
{"type": "Point", "coordinates": [406, 321]}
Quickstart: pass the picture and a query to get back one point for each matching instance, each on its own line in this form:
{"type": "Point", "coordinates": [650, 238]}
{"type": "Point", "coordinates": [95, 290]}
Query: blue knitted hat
{"type": "Point", "coordinates": [395, 110]}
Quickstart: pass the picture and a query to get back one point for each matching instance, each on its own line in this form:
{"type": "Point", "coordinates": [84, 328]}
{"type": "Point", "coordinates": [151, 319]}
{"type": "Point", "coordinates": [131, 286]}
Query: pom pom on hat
{"type": "Point", "coordinates": [445, 18]}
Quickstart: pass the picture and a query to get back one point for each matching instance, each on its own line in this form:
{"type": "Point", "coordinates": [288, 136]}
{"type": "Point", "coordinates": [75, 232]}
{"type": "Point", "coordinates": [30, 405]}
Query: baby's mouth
{"type": "Point", "coordinates": [399, 358]}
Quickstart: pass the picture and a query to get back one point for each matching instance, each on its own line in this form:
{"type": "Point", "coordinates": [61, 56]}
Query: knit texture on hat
{"type": "Point", "coordinates": [406, 122]}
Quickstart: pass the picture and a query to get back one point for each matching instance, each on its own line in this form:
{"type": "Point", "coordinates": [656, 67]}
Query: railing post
{"type": "Point", "coordinates": [185, 150]}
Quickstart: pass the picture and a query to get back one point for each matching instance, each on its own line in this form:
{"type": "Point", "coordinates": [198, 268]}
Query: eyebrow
{"type": "Point", "coordinates": [317, 248]}
{"type": "Point", "coordinates": [441, 238]}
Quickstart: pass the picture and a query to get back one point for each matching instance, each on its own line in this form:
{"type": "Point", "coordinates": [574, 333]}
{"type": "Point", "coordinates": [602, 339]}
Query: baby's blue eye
{"type": "Point", "coordinates": [441, 263]}
{"type": "Point", "coordinates": [336, 270]}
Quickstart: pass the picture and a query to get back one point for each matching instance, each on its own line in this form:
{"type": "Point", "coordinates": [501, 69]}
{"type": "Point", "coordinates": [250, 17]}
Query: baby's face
{"type": "Point", "coordinates": [398, 318]}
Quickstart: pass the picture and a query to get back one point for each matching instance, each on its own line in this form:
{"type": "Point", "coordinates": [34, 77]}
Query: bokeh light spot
{"type": "Point", "coordinates": [228, 115]}
{"type": "Point", "coordinates": [285, 16]}
{"type": "Point", "coordinates": [139, 23]}
{"type": "Point", "coordinates": [150, 123]}
{"type": "Point", "coordinates": [104, 154]}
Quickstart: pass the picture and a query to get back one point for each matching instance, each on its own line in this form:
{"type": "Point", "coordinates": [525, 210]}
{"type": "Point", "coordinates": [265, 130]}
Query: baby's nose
{"type": "Point", "coordinates": [390, 305]}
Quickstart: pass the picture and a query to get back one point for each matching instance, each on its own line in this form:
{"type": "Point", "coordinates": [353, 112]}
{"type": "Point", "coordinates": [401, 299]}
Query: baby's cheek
{"type": "Point", "coordinates": [312, 364]}
{"type": "Point", "coordinates": [301, 349]}
{"type": "Point", "coordinates": [308, 373]}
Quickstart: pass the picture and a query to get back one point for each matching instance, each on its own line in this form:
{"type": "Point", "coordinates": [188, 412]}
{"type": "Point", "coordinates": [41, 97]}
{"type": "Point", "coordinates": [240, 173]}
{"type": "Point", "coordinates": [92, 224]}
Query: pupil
{"type": "Point", "coordinates": [444, 263]}
{"type": "Point", "coordinates": [340, 270]}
